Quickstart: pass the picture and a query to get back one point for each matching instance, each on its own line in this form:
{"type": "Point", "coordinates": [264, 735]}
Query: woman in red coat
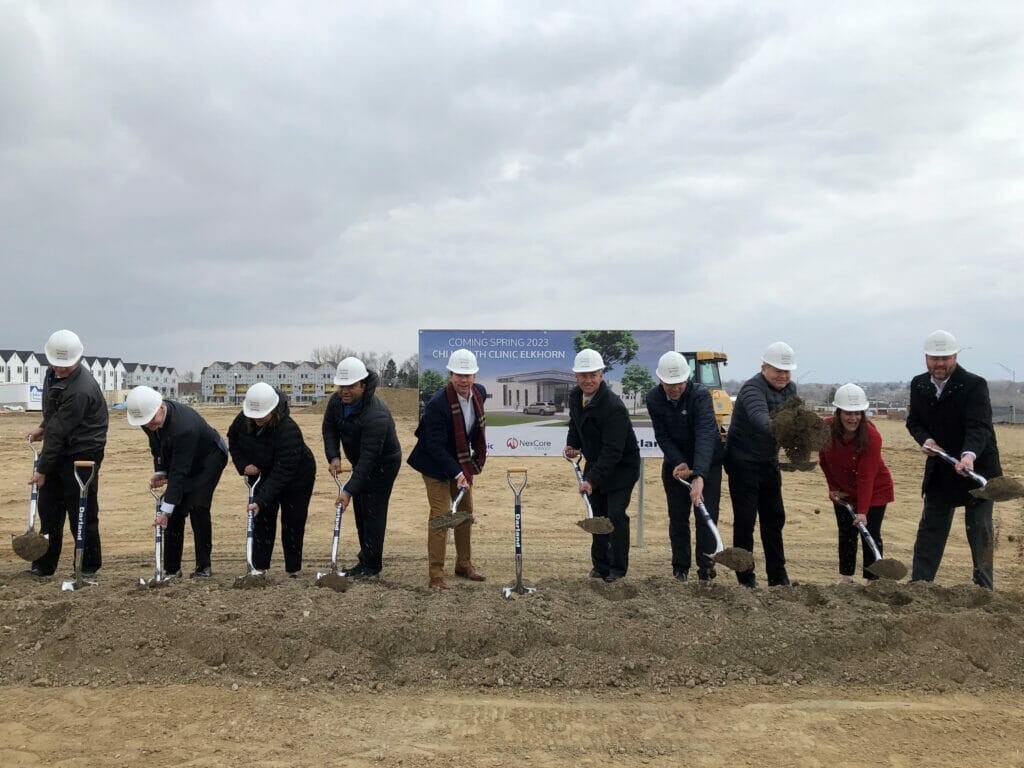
{"type": "Point", "coordinates": [853, 466]}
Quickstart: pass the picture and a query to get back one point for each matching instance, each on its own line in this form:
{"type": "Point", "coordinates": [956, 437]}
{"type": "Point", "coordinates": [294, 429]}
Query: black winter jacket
{"type": "Point", "coordinates": [686, 430]}
{"type": "Point", "coordinates": [750, 435]}
{"type": "Point", "coordinates": [604, 433]}
{"type": "Point", "coordinates": [74, 419]}
{"type": "Point", "coordinates": [278, 450]}
{"type": "Point", "coordinates": [960, 420]}
{"type": "Point", "coordinates": [367, 436]}
{"type": "Point", "coordinates": [190, 452]}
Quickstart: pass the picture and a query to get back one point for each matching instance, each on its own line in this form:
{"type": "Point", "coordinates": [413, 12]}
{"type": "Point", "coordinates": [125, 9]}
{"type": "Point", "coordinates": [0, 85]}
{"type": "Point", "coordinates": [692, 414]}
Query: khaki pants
{"type": "Point", "coordinates": [440, 494]}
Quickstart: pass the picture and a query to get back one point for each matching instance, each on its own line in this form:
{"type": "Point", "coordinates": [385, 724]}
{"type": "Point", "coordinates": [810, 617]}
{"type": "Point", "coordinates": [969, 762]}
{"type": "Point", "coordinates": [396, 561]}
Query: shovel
{"type": "Point", "coordinates": [517, 489]}
{"type": "Point", "coordinates": [253, 578]}
{"type": "Point", "coordinates": [590, 524]}
{"type": "Point", "coordinates": [994, 489]}
{"type": "Point", "coordinates": [83, 499]}
{"type": "Point", "coordinates": [886, 568]}
{"type": "Point", "coordinates": [160, 578]}
{"type": "Point", "coordinates": [31, 545]}
{"type": "Point", "coordinates": [335, 578]}
{"type": "Point", "coordinates": [739, 560]}
{"type": "Point", "coordinates": [454, 518]}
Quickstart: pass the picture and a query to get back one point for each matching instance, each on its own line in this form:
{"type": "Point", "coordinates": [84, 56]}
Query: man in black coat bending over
{"type": "Point", "coordinates": [188, 458]}
{"type": "Point", "coordinates": [950, 410]}
{"type": "Point", "coordinates": [600, 429]}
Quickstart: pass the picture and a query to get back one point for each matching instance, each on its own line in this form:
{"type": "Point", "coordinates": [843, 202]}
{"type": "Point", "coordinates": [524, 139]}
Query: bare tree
{"type": "Point", "coordinates": [331, 353]}
{"type": "Point", "coordinates": [189, 376]}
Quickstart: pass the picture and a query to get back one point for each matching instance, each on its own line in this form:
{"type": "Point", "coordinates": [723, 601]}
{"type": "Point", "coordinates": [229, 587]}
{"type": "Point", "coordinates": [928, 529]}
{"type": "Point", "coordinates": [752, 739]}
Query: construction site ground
{"type": "Point", "coordinates": [645, 671]}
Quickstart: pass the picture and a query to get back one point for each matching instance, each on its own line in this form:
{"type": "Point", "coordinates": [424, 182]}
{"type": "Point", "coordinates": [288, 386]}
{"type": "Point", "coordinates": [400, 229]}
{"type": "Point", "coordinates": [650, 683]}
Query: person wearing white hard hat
{"type": "Point", "coordinates": [450, 450]}
{"type": "Point", "coordinates": [752, 463]}
{"type": "Point", "coordinates": [265, 442]}
{"type": "Point", "coordinates": [359, 423]}
{"type": "Point", "coordinates": [852, 463]}
{"type": "Point", "coordinates": [188, 459]}
{"type": "Point", "coordinates": [74, 428]}
{"type": "Point", "coordinates": [683, 417]}
{"type": "Point", "coordinates": [950, 410]}
{"type": "Point", "coordinates": [600, 429]}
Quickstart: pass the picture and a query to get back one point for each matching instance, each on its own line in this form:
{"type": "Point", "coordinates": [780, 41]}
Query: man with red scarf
{"type": "Point", "coordinates": [450, 450]}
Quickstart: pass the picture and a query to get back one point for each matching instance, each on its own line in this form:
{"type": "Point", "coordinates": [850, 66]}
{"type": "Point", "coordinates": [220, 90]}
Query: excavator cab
{"type": "Point", "coordinates": [704, 370]}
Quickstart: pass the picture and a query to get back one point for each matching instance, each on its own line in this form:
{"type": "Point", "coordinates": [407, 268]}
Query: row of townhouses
{"type": "Point", "coordinates": [303, 382]}
{"type": "Point", "coordinates": [114, 376]}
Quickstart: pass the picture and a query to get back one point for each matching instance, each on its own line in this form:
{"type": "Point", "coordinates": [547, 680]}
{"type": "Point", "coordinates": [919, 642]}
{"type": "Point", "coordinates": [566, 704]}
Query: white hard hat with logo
{"type": "Point", "coordinates": [673, 368]}
{"type": "Point", "coordinates": [260, 400]}
{"type": "Point", "coordinates": [587, 361]}
{"type": "Point", "coordinates": [63, 349]}
{"type": "Point", "coordinates": [142, 404]}
{"type": "Point", "coordinates": [462, 361]}
{"type": "Point", "coordinates": [940, 344]}
{"type": "Point", "coordinates": [780, 355]}
{"type": "Point", "coordinates": [350, 370]}
{"type": "Point", "coordinates": [850, 397]}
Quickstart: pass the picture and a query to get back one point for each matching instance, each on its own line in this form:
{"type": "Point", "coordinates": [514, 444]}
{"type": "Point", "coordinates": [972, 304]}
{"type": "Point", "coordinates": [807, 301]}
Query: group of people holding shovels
{"type": "Point", "coordinates": [949, 416]}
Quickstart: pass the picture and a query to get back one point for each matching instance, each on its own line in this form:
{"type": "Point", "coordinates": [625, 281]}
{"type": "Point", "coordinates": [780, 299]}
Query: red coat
{"type": "Point", "coordinates": [863, 477]}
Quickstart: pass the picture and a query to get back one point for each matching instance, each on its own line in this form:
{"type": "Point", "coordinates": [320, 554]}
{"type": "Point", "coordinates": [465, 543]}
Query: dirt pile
{"type": "Point", "coordinates": [572, 634]}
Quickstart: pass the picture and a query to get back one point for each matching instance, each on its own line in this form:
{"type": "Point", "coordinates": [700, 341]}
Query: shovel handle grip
{"type": "Point", "coordinates": [84, 464]}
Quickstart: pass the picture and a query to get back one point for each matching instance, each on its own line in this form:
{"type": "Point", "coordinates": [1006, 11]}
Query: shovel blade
{"type": "Point", "coordinates": [739, 560]}
{"type": "Point", "coordinates": [30, 545]}
{"type": "Point", "coordinates": [333, 580]}
{"type": "Point", "coordinates": [450, 521]}
{"type": "Point", "coordinates": [887, 568]}
{"type": "Point", "coordinates": [596, 525]}
{"type": "Point", "coordinates": [517, 591]}
{"type": "Point", "coordinates": [1000, 489]}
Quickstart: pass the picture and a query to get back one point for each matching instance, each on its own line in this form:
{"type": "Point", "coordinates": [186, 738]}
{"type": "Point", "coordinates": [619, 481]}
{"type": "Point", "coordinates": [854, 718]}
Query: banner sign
{"type": "Point", "coordinates": [528, 376]}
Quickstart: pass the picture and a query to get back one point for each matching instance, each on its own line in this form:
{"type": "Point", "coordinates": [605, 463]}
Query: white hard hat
{"type": "Point", "coordinates": [142, 404]}
{"type": "Point", "coordinates": [780, 355]}
{"type": "Point", "coordinates": [940, 344]}
{"type": "Point", "coordinates": [850, 397]}
{"type": "Point", "coordinates": [260, 400]}
{"type": "Point", "coordinates": [673, 368]}
{"type": "Point", "coordinates": [63, 349]}
{"type": "Point", "coordinates": [462, 361]}
{"type": "Point", "coordinates": [350, 371]}
{"type": "Point", "coordinates": [587, 361]}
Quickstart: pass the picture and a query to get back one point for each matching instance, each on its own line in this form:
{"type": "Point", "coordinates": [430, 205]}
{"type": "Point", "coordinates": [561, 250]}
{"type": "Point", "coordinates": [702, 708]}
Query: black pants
{"type": "Point", "coordinates": [294, 507]}
{"type": "Point", "coordinates": [609, 552]}
{"type": "Point", "coordinates": [933, 530]}
{"type": "Point", "coordinates": [678, 496]}
{"type": "Point", "coordinates": [174, 535]}
{"type": "Point", "coordinates": [850, 533]}
{"type": "Point", "coordinates": [370, 509]}
{"type": "Point", "coordinates": [756, 491]}
{"type": "Point", "coordinates": [58, 500]}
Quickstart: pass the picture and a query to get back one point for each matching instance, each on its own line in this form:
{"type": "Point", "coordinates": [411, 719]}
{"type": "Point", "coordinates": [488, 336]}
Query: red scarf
{"type": "Point", "coordinates": [472, 462]}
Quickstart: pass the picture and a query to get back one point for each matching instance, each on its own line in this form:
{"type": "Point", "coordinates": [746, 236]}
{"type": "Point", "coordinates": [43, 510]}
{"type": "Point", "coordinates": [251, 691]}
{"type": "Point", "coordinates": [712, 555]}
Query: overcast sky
{"type": "Point", "coordinates": [183, 182]}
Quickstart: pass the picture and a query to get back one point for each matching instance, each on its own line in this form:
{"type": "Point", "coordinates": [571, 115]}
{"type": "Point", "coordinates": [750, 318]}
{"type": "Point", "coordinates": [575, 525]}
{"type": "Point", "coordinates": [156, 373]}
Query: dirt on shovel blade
{"type": "Point", "coordinates": [450, 521]}
{"type": "Point", "coordinates": [887, 568]}
{"type": "Point", "coordinates": [800, 432]}
{"type": "Point", "coordinates": [251, 581]}
{"type": "Point", "coordinates": [335, 581]}
{"type": "Point", "coordinates": [739, 560]}
{"type": "Point", "coordinates": [596, 525]}
{"type": "Point", "coordinates": [30, 546]}
{"type": "Point", "coordinates": [1000, 489]}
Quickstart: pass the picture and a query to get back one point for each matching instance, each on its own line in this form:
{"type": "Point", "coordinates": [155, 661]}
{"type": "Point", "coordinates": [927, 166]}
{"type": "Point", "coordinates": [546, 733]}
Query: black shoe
{"type": "Point", "coordinates": [681, 576]}
{"type": "Point", "coordinates": [706, 574]}
{"type": "Point", "coordinates": [35, 570]}
{"type": "Point", "coordinates": [747, 579]}
{"type": "Point", "coordinates": [596, 574]}
{"type": "Point", "coordinates": [614, 576]}
{"type": "Point", "coordinates": [779, 580]}
{"type": "Point", "coordinates": [201, 573]}
{"type": "Point", "coordinates": [357, 571]}
{"type": "Point", "coordinates": [295, 574]}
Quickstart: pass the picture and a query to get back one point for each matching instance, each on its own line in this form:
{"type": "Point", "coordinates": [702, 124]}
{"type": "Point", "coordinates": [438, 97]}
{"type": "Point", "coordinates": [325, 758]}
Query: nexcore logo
{"type": "Point", "coordinates": [514, 442]}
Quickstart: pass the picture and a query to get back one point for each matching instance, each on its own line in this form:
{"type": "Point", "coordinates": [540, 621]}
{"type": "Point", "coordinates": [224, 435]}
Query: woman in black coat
{"type": "Point", "coordinates": [265, 441]}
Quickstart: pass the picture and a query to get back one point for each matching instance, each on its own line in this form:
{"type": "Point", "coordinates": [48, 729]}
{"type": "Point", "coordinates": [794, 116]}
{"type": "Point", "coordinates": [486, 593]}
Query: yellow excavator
{"type": "Point", "coordinates": [704, 370]}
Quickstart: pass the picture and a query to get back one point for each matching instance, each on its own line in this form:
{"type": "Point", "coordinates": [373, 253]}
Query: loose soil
{"type": "Point", "coordinates": [644, 671]}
